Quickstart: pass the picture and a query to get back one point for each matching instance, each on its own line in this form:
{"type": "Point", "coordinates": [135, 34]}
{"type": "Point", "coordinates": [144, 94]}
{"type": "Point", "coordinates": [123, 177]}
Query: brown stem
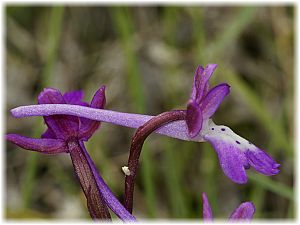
{"type": "Point", "coordinates": [137, 142]}
{"type": "Point", "coordinates": [95, 203]}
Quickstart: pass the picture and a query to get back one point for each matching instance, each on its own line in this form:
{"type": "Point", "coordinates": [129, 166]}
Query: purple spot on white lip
{"type": "Point", "coordinates": [223, 129]}
{"type": "Point", "coordinates": [238, 142]}
{"type": "Point", "coordinates": [213, 128]}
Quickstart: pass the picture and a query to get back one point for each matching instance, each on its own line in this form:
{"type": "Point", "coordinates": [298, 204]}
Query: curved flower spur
{"type": "Point", "coordinates": [66, 134]}
{"type": "Point", "coordinates": [235, 153]}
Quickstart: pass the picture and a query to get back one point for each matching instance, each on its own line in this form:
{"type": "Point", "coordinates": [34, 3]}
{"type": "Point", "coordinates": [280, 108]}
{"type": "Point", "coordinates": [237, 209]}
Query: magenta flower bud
{"type": "Point", "coordinates": [244, 211]}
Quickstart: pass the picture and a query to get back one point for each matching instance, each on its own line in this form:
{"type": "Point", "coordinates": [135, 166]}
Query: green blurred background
{"type": "Point", "coordinates": [146, 56]}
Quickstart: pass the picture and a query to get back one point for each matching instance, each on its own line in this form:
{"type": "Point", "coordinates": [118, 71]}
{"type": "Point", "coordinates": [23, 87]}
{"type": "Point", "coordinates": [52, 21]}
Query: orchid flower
{"type": "Point", "coordinates": [244, 211]}
{"type": "Point", "coordinates": [235, 153]}
{"type": "Point", "coordinates": [67, 134]}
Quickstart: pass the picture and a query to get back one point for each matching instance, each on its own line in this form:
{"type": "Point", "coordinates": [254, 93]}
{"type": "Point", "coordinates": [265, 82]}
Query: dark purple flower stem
{"type": "Point", "coordinates": [96, 205]}
{"type": "Point", "coordinates": [137, 142]}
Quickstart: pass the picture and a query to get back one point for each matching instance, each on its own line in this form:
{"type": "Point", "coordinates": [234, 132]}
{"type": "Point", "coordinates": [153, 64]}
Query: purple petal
{"type": "Point", "coordinates": [75, 98]}
{"type": "Point", "coordinates": [109, 198]}
{"type": "Point", "coordinates": [177, 129]}
{"type": "Point", "coordinates": [50, 96]}
{"type": "Point", "coordinates": [262, 162]}
{"type": "Point", "coordinates": [245, 211]}
{"type": "Point", "coordinates": [193, 119]}
{"type": "Point", "coordinates": [207, 213]}
{"type": "Point", "coordinates": [62, 126]}
{"type": "Point", "coordinates": [213, 99]}
{"type": "Point", "coordinates": [232, 159]}
{"type": "Point", "coordinates": [48, 134]}
{"type": "Point", "coordinates": [87, 126]}
{"type": "Point", "coordinates": [46, 146]}
{"type": "Point", "coordinates": [201, 79]}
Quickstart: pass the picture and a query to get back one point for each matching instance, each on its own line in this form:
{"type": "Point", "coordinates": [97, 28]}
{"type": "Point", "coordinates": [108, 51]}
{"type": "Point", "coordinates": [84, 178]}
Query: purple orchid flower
{"type": "Point", "coordinates": [66, 134]}
{"type": "Point", "coordinates": [245, 211]}
{"type": "Point", "coordinates": [235, 153]}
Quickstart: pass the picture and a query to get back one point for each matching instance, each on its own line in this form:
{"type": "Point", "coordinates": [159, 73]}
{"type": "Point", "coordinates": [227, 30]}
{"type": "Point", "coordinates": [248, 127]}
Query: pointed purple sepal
{"type": "Point", "coordinates": [42, 145]}
{"type": "Point", "coordinates": [207, 212]}
{"type": "Point", "coordinates": [245, 211]}
{"type": "Point", "coordinates": [193, 119]}
{"type": "Point", "coordinates": [262, 162]}
{"type": "Point", "coordinates": [213, 99]}
{"type": "Point", "coordinates": [88, 127]}
{"type": "Point", "coordinates": [201, 78]}
{"type": "Point", "coordinates": [197, 83]}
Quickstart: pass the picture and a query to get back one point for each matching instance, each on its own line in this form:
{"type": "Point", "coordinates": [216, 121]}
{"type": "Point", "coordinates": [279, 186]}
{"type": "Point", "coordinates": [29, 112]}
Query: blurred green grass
{"type": "Point", "coordinates": [124, 27]}
{"type": "Point", "coordinates": [147, 56]}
